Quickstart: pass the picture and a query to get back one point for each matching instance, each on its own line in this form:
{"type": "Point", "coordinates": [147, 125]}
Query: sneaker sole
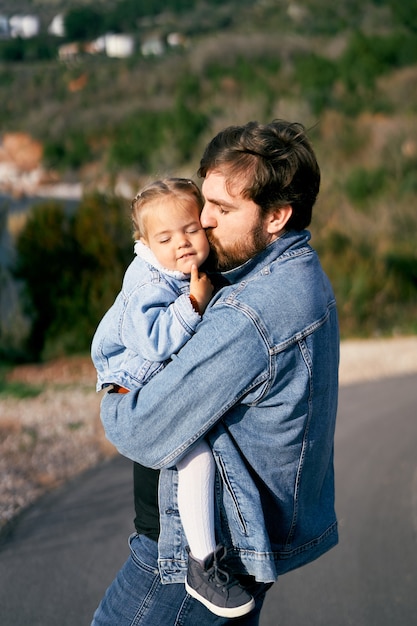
{"type": "Point", "coordinates": [221, 611]}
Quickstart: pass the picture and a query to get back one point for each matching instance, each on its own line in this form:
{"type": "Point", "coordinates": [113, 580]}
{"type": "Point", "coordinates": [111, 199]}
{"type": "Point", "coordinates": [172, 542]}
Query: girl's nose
{"type": "Point", "coordinates": [183, 241]}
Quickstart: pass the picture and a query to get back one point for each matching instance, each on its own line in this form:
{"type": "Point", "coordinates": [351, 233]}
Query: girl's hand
{"type": "Point", "coordinates": [201, 288]}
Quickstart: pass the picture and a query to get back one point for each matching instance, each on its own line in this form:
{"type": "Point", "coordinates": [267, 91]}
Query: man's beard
{"type": "Point", "coordinates": [240, 252]}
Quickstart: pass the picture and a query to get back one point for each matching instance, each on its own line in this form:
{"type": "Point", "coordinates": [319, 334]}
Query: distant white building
{"type": "Point", "coordinates": [56, 27]}
{"type": "Point", "coordinates": [24, 26]}
{"type": "Point", "coordinates": [113, 45]}
{"type": "Point", "coordinates": [153, 46]}
{"type": "Point", "coordinates": [119, 46]}
{"type": "Point", "coordinates": [99, 44]}
{"type": "Point", "coordinates": [176, 40]}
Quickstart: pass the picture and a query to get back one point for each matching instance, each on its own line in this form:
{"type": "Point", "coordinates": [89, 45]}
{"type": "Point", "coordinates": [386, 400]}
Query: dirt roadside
{"type": "Point", "coordinates": [371, 359]}
{"type": "Point", "coordinates": [48, 439]}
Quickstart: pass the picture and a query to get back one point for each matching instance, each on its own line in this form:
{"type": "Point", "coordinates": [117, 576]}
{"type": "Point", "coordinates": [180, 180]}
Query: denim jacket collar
{"type": "Point", "coordinates": [273, 250]}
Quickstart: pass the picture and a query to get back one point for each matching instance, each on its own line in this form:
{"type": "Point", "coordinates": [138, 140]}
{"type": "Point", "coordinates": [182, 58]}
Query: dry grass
{"type": "Point", "coordinates": [48, 439]}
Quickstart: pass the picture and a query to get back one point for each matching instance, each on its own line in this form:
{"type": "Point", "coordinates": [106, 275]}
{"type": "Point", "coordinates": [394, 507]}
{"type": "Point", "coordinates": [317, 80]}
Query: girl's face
{"type": "Point", "coordinates": [175, 235]}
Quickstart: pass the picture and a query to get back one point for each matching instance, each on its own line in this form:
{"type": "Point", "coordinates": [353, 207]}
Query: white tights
{"type": "Point", "coordinates": [196, 473]}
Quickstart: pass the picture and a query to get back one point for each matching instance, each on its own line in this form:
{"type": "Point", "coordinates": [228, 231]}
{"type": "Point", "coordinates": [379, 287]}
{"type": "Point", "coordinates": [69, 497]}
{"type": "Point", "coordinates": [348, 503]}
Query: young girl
{"type": "Point", "coordinates": [161, 303]}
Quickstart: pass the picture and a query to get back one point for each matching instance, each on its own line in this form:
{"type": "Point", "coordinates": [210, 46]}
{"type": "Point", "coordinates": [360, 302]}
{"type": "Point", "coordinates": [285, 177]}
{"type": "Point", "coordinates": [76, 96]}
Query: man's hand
{"type": "Point", "coordinates": [201, 288]}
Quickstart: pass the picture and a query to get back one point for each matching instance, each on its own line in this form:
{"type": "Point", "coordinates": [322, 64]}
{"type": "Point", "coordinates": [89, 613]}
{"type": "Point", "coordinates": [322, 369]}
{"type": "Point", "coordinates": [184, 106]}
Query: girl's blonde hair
{"type": "Point", "coordinates": [182, 189]}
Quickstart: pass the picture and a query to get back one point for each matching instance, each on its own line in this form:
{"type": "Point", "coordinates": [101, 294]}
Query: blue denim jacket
{"type": "Point", "coordinates": [151, 318]}
{"type": "Point", "coordinates": [260, 380]}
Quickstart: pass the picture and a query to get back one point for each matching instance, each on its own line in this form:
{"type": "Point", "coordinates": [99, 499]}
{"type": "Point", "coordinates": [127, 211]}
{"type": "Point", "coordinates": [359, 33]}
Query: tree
{"type": "Point", "coordinates": [13, 325]}
{"type": "Point", "coordinates": [404, 13]}
{"type": "Point", "coordinates": [72, 265]}
{"type": "Point", "coordinates": [84, 23]}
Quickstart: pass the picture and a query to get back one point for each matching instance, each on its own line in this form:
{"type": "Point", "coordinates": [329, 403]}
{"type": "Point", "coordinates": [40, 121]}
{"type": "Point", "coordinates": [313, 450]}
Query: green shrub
{"type": "Point", "coordinates": [17, 389]}
{"type": "Point", "coordinates": [403, 270]}
{"type": "Point", "coordinates": [404, 13]}
{"type": "Point", "coordinates": [367, 57]}
{"type": "Point", "coordinates": [407, 176]}
{"type": "Point", "coordinates": [137, 139]}
{"type": "Point", "coordinates": [316, 77]}
{"type": "Point", "coordinates": [375, 292]}
{"type": "Point", "coordinates": [69, 152]}
{"type": "Point", "coordinates": [363, 184]}
{"type": "Point", "coordinates": [251, 73]}
{"type": "Point", "coordinates": [148, 140]}
{"type": "Point", "coordinates": [83, 23]}
{"type": "Point", "coordinates": [12, 50]}
{"type": "Point", "coordinates": [72, 266]}
{"type": "Point", "coordinates": [37, 48]}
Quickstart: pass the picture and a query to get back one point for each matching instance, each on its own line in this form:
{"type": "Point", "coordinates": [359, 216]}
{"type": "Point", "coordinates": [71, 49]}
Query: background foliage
{"type": "Point", "coordinates": [347, 70]}
{"type": "Point", "coordinates": [71, 264]}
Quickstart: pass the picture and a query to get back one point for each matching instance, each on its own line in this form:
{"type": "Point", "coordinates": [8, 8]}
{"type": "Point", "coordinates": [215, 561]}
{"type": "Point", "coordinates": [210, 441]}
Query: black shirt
{"type": "Point", "coordinates": [145, 487]}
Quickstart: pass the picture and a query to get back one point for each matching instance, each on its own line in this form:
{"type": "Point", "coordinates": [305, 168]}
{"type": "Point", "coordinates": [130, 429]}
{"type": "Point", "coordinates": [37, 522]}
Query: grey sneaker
{"type": "Point", "coordinates": [216, 587]}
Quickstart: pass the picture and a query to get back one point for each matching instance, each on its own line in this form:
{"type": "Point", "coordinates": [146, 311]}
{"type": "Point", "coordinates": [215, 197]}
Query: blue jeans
{"type": "Point", "coordinates": [137, 596]}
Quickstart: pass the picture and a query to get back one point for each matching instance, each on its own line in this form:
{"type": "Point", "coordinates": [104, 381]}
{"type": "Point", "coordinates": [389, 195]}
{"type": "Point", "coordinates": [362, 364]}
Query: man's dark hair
{"type": "Point", "coordinates": [274, 163]}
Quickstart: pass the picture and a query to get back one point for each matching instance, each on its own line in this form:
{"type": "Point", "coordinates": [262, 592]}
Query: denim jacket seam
{"type": "Point", "coordinates": [304, 353]}
{"type": "Point", "coordinates": [186, 326]}
{"type": "Point", "coordinates": [289, 553]}
{"type": "Point", "coordinates": [230, 300]}
{"type": "Point", "coordinates": [308, 330]}
{"type": "Point", "coordinates": [290, 254]}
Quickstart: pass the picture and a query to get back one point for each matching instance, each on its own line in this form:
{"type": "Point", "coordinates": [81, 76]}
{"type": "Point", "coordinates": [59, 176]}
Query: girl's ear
{"type": "Point", "coordinates": [144, 241]}
{"type": "Point", "coordinates": [277, 220]}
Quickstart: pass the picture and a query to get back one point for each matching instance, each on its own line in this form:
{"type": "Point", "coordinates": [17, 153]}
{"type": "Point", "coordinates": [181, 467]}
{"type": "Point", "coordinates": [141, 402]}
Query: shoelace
{"type": "Point", "coordinates": [220, 576]}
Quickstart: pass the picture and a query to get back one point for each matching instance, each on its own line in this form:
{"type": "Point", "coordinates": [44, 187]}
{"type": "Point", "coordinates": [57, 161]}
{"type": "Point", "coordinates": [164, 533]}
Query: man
{"type": "Point", "coordinates": [259, 380]}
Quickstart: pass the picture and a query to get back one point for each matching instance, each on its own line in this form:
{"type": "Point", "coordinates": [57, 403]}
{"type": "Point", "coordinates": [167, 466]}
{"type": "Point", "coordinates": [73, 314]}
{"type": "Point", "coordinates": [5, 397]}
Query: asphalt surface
{"type": "Point", "coordinates": [66, 549]}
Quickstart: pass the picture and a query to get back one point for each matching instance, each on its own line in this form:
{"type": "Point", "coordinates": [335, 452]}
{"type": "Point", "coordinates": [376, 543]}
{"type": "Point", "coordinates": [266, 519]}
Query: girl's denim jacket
{"type": "Point", "coordinates": [151, 319]}
{"type": "Point", "coordinates": [260, 381]}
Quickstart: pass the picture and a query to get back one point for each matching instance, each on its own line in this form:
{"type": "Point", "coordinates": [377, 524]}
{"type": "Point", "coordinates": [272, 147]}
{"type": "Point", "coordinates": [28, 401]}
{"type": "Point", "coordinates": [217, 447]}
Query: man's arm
{"type": "Point", "coordinates": [224, 360]}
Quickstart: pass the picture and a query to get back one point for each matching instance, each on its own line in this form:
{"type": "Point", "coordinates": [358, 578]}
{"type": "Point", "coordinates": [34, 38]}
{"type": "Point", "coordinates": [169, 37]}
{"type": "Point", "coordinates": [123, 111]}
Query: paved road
{"type": "Point", "coordinates": [370, 578]}
{"type": "Point", "coordinates": [64, 552]}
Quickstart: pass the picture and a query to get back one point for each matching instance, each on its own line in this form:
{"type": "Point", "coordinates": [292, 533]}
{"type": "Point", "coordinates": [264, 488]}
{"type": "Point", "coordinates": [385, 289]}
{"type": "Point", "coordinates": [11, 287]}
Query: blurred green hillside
{"type": "Point", "coordinates": [346, 70]}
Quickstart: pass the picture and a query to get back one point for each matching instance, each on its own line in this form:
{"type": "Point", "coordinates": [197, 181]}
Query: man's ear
{"type": "Point", "coordinates": [277, 220]}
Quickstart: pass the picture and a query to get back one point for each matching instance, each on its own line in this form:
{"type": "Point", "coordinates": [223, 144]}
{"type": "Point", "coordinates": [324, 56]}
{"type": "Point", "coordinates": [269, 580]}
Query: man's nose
{"type": "Point", "coordinates": [207, 218]}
